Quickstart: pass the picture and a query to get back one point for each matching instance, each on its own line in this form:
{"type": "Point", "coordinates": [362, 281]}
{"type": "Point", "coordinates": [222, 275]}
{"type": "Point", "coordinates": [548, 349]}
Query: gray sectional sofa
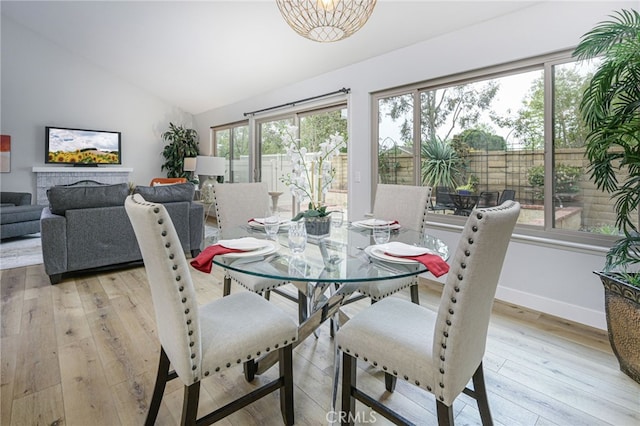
{"type": "Point", "coordinates": [86, 226]}
{"type": "Point", "coordinates": [17, 215]}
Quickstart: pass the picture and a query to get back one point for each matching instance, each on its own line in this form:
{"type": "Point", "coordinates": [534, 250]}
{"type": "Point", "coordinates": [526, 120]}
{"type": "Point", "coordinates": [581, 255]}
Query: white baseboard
{"type": "Point", "coordinates": [590, 317]}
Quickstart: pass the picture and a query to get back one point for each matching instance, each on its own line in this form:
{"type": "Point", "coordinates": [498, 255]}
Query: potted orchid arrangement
{"type": "Point", "coordinates": [311, 176]}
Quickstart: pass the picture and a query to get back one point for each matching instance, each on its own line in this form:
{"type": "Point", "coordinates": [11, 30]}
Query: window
{"type": "Point", "coordinates": [510, 130]}
{"type": "Point", "coordinates": [232, 143]}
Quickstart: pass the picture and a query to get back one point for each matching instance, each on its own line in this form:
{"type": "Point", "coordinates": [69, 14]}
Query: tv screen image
{"type": "Point", "coordinates": [82, 147]}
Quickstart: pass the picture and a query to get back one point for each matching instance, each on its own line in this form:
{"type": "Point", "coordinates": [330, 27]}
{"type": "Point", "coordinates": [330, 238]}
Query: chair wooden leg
{"type": "Point", "coordinates": [445, 414]}
{"type": "Point", "coordinates": [286, 391]}
{"type": "Point", "coordinates": [226, 286]}
{"type": "Point", "coordinates": [250, 368]}
{"type": "Point", "coordinates": [415, 298]}
{"type": "Point", "coordinates": [349, 369]}
{"type": "Point", "coordinates": [390, 381]}
{"type": "Point", "coordinates": [481, 396]}
{"type": "Point", "coordinates": [158, 390]}
{"type": "Point", "coordinates": [190, 404]}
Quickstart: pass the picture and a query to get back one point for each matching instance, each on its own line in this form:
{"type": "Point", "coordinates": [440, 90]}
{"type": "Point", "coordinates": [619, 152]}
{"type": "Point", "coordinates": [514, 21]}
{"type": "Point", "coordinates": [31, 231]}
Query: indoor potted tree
{"type": "Point", "coordinates": [183, 143]}
{"type": "Point", "coordinates": [610, 107]}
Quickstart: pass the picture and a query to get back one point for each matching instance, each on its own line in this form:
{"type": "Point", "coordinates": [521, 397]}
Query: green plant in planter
{"type": "Point", "coordinates": [471, 185]}
{"type": "Point", "coordinates": [311, 174]}
{"type": "Point", "coordinates": [610, 107]}
{"type": "Point", "coordinates": [183, 143]}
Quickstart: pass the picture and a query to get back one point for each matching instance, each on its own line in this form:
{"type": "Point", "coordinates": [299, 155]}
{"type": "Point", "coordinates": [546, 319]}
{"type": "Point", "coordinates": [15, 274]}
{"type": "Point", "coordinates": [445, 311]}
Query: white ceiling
{"type": "Point", "coordinates": [200, 55]}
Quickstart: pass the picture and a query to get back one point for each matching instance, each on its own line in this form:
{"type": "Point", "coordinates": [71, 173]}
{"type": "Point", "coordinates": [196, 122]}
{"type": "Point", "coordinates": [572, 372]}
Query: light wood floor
{"type": "Point", "coordinates": [84, 352]}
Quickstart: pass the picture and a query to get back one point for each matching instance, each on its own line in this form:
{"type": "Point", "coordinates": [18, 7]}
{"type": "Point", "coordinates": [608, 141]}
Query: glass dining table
{"type": "Point", "coordinates": [328, 271]}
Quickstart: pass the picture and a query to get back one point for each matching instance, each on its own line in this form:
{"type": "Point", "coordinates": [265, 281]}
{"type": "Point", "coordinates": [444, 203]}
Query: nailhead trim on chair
{"type": "Point", "coordinates": [251, 356]}
{"type": "Point", "coordinates": [363, 290]}
{"type": "Point", "coordinates": [178, 278]}
{"type": "Point", "coordinates": [268, 288]}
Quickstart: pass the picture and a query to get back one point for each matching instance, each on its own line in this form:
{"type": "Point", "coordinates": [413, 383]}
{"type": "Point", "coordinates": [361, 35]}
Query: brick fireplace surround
{"type": "Point", "coordinates": [47, 177]}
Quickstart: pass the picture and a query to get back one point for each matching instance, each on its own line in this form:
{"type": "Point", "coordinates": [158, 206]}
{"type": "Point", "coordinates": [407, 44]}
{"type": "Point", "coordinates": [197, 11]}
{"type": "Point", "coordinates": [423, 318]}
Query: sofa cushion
{"type": "Point", "coordinates": [63, 198]}
{"type": "Point", "coordinates": [18, 214]}
{"type": "Point", "coordinates": [167, 193]}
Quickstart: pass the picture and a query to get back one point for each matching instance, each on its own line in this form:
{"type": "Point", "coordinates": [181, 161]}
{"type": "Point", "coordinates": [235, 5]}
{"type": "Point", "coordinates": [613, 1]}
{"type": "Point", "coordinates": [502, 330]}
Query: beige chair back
{"type": "Point", "coordinates": [405, 203]}
{"type": "Point", "coordinates": [463, 316]}
{"type": "Point", "coordinates": [174, 298]}
{"type": "Point", "coordinates": [236, 203]}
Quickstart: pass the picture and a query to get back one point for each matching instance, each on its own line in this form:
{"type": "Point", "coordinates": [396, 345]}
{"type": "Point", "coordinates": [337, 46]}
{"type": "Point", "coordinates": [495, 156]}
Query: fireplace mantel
{"type": "Point", "coordinates": [47, 177]}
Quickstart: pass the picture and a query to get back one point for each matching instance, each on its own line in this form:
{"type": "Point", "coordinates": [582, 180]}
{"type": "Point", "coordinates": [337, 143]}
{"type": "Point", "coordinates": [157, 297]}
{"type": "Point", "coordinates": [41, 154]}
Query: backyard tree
{"type": "Point", "coordinates": [443, 111]}
{"type": "Point", "coordinates": [569, 129]}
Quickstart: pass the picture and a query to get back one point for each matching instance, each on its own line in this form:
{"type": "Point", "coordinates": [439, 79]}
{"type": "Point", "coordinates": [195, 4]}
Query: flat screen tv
{"type": "Point", "coordinates": [81, 147]}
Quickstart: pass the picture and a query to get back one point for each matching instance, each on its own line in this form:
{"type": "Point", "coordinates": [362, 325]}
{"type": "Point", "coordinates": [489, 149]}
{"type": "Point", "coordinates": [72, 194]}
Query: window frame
{"type": "Point", "coordinates": [546, 62]}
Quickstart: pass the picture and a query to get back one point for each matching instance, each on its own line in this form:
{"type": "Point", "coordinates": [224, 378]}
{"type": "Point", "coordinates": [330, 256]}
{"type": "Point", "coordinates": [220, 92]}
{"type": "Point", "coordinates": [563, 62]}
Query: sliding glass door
{"type": "Point", "coordinates": [232, 143]}
{"type": "Point", "coordinates": [312, 128]}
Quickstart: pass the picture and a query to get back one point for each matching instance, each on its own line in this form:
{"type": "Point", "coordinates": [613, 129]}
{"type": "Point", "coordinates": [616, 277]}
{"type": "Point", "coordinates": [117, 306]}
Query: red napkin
{"type": "Point", "coordinates": [202, 262]}
{"type": "Point", "coordinates": [436, 265]}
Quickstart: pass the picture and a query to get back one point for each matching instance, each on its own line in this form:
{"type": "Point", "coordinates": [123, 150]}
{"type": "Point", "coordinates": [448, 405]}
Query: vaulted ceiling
{"type": "Point", "coordinates": [200, 55]}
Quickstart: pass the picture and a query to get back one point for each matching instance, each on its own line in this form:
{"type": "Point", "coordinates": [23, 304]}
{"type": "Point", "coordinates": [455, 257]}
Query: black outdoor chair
{"type": "Point", "coordinates": [443, 200]}
{"type": "Point", "coordinates": [488, 198]}
{"type": "Point", "coordinates": [507, 194]}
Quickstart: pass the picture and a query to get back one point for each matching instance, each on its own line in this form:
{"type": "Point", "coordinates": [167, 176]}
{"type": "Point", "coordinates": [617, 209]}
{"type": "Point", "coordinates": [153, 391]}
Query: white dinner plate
{"type": "Point", "coordinates": [246, 243]}
{"type": "Point", "coordinates": [397, 248]}
{"type": "Point", "coordinates": [271, 247]}
{"type": "Point", "coordinates": [378, 253]}
{"type": "Point", "coordinates": [370, 223]}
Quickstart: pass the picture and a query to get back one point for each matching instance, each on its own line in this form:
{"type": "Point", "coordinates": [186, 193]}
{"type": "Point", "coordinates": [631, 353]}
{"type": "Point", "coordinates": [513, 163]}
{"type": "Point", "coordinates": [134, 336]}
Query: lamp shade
{"type": "Point", "coordinates": [210, 166]}
{"type": "Point", "coordinates": [189, 164]}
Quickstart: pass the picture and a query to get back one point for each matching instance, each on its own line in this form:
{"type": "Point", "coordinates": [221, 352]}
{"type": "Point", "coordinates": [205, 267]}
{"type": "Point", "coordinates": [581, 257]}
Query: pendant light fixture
{"type": "Point", "coordinates": [326, 20]}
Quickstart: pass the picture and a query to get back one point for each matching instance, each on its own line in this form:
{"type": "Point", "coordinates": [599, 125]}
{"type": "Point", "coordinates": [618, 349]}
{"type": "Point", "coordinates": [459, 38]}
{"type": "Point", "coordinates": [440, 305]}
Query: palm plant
{"type": "Point", "coordinates": [610, 107]}
{"type": "Point", "coordinates": [183, 143]}
{"type": "Point", "coordinates": [440, 164]}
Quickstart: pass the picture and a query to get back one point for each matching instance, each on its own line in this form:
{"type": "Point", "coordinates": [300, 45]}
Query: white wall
{"type": "Point", "coordinates": [556, 281]}
{"type": "Point", "coordinates": [42, 84]}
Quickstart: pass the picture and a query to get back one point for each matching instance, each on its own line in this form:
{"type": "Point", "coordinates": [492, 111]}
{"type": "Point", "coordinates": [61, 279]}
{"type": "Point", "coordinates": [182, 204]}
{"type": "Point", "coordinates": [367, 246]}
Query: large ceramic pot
{"type": "Point", "coordinates": [622, 305]}
{"type": "Point", "coordinates": [318, 226]}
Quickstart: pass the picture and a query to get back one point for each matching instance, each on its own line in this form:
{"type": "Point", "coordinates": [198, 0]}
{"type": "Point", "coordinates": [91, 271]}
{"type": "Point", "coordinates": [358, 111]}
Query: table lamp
{"type": "Point", "coordinates": [189, 165]}
{"type": "Point", "coordinates": [210, 167]}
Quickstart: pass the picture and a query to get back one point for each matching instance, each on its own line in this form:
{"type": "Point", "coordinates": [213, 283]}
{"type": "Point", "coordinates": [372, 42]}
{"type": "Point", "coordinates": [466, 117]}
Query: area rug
{"type": "Point", "coordinates": [26, 251]}
{"type": "Point", "coordinates": [20, 251]}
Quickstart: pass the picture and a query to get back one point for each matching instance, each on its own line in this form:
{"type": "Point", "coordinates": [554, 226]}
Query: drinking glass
{"type": "Point", "coordinates": [271, 224]}
{"type": "Point", "coordinates": [297, 236]}
{"type": "Point", "coordinates": [336, 218]}
{"type": "Point", "coordinates": [381, 232]}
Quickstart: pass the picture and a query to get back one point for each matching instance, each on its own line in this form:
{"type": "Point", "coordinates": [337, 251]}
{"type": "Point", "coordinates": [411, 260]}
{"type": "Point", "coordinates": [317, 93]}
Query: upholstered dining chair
{"type": "Point", "coordinates": [408, 205]}
{"type": "Point", "coordinates": [200, 340]}
{"type": "Point", "coordinates": [167, 181]}
{"type": "Point", "coordinates": [236, 204]}
{"type": "Point", "coordinates": [436, 351]}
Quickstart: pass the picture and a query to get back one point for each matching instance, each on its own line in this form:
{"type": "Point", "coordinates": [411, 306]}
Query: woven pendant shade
{"type": "Point", "coordinates": [326, 20]}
